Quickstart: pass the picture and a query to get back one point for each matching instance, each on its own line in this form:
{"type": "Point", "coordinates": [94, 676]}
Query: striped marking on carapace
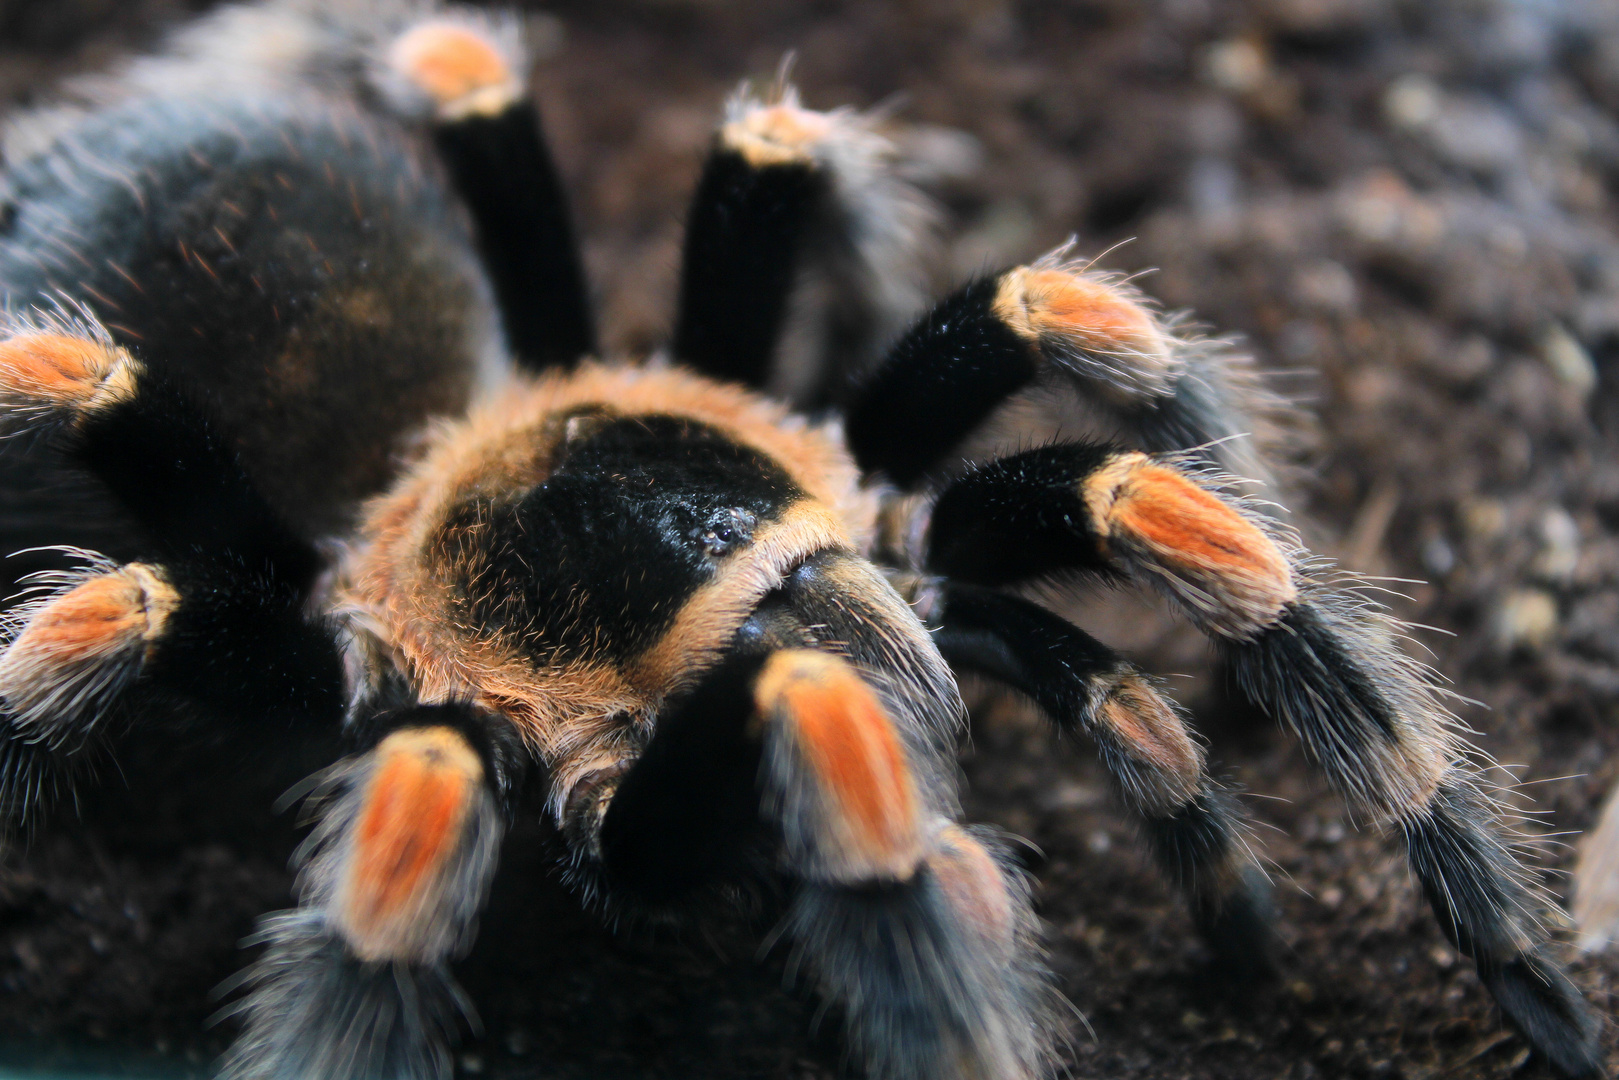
{"type": "Point", "coordinates": [421, 789]}
{"type": "Point", "coordinates": [849, 744]}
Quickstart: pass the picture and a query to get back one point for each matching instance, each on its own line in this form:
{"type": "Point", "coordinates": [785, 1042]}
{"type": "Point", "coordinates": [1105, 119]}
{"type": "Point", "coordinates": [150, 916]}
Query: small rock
{"type": "Point", "coordinates": [1559, 554]}
{"type": "Point", "coordinates": [1411, 102]}
{"type": "Point", "coordinates": [1438, 557]}
{"type": "Point", "coordinates": [1327, 286]}
{"type": "Point", "coordinates": [1483, 518]}
{"type": "Point", "coordinates": [1568, 360]}
{"type": "Point", "coordinates": [1527, 618]}
{"type": "Point", "coordinates": [1476, 134]}
{"type": "Point", "coordinates": [1237, 67]}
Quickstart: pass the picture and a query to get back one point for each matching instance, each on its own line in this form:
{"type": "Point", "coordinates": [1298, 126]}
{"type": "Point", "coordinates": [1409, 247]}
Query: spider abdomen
{"type": "Point", "coordinates": [292, 263]}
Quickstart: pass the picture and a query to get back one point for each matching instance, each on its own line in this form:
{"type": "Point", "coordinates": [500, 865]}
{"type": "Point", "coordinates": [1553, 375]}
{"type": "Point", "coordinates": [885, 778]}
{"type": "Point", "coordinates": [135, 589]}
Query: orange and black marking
{"type": "Point", "coordinates": [1058, 309]}
{"type": "Point", "coordinates": [865, 797]}
{"type": "Point", "coordinates": [490, 138]}
{"type": "Point", "coordinates": [423, 786]}
{"type": "Point", "coordinates": [1186, 532]}
{"type": "Point", "coordinates": [48, 371]}
{"type": "Point", "coordinates": [84, 639]}
{"type": "Point", "coordinates": [574, 555]}
{"type": "Point", "coordinates": [1160, 765]}
{"type": "Point", "coordinates": [783, 133]}
{"type": "Point", "coordinates": [1087, 506]}
{"type": "Point", "coordinates": [995, 338]}
{"type": "Point", "coordinates": [761, 189]}
{"type": "Point", "coordinates": [461, 68]}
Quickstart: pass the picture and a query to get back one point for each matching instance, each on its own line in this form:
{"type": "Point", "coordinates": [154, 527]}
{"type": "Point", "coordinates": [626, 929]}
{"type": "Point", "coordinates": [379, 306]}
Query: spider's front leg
{"type": "Point", "coordinates": [917, 927]}
{"type": "Point", "coordinates": [355, 983]}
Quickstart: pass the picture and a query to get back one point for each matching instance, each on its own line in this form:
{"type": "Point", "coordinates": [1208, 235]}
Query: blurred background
{"type": "Point", "coordinates": [1408, 210]}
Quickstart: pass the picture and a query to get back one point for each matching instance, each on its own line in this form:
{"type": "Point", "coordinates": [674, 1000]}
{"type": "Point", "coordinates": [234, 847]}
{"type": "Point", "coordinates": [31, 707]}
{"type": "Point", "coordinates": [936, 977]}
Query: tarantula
{"type": "Point", "coordinates": [712, 605]}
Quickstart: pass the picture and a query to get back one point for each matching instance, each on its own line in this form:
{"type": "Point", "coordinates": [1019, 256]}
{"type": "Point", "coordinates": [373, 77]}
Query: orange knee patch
{"type": "Point", "coordinates": [1235, 572]}
{"type": "Point", "coordinates": [782, 134]}
{"type": "Point", "coordinates": [1087, 314]}
{"type": "Point", "coordinates": [83, 639]}
{"type": "Point", "coordinates": [848, 743]}
{"type": "Point", "coordinates": [62, 371]}
{"type": "Point", "coordinates": [973, 885]}
{"type": "Point", "coordinates": [421, 789]}
{"type": "Point", "coordinates": [105, 614]}
{"type": "Point", "coordinates": [1148, 732]}
{"type": "Point", "coordinates": [460, 69]}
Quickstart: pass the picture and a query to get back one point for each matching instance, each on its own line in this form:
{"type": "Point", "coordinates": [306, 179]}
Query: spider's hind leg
{"type": "Point", "coordinates": [470, 74]}
{"type": "Point", "coordinates": [803, 247]}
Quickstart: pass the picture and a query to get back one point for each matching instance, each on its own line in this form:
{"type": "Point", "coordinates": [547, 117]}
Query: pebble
{"type": "Point", "coordinates": [1237, 67]}
{"type": "Point", "coordinates": [1527, 618]}
{"type": "Point", "coordinates": [1559, 554]}
{"type": "Point", "coordinates": [1568, 360]}
{"type": "Point", "coordinates": [1411, 102]}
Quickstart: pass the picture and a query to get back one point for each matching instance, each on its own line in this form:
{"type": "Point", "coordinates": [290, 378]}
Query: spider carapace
{"type": "Point", "coordinates": [309, 274]}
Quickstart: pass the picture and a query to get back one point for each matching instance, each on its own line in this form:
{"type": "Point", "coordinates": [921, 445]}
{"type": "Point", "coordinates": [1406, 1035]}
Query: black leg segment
{"type": "Point", "coordinates": [684, 810]}
{"type": "Point", "coordinates": [942, 379]}
{"type": "Point", "coordinates": [744, 237]}
{"type": "Point", "coordinates": [1021, 517]}
{"type": "Point", "coordinates": [503, 169]}
{"type": "Point", "coordinates": [1193, 828]}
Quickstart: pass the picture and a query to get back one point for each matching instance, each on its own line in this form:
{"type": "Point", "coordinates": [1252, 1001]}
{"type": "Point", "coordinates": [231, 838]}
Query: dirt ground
{"type": "Point", "coordinates": [1406, 208]}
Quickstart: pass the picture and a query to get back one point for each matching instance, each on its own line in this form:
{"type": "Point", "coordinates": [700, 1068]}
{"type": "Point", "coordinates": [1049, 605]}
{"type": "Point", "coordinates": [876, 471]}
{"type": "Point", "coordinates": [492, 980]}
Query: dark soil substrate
{"type": "Point", "coordinates": [1412, 199]}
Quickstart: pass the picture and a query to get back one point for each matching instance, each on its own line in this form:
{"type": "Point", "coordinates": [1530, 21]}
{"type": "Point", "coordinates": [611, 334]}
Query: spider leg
{"type": "Point", "coordinates": [1049, 324]}
{"type": "Point", "coordinates": [1321, 661]}
{"type": "Point", "coordinates": [801, 252]}
{"type": "Point", "coordinates": [489, 135]}
{"type": "Point", "coordinates": [355, 982]}
{"type": "Point", "coordinates": [214, 621]}
{"type": "Point", "coordinates": [919, 928]}
{"type": "Point", "coordinates": [1192, 826]}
